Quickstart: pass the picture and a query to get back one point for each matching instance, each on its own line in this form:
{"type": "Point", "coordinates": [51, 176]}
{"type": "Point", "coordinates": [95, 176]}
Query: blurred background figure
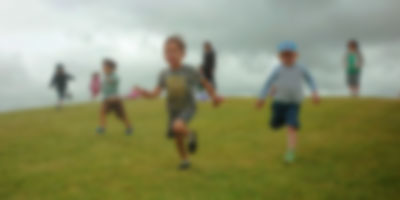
{"type": "Point", "coordinates": [207, 68]}
{"type": "Point", "coordinates": [112, 101]}
{"type": "Point", "coordinates": [209, 61]}
{"type": "Point", "coordinates": [353, 63]}
{"type": "Point", "coordinates": [60, 83]}
{"type": "Point", "coordinates": [95, 85]}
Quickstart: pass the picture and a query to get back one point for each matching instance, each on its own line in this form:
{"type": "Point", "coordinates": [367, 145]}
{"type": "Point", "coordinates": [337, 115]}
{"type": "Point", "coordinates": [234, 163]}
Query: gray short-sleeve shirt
{"type": "Point", "coordinates": [180, 84]}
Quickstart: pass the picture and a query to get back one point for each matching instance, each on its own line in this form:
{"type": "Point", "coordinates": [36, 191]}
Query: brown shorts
{"type": "Point", "coordinates": [116, 106]}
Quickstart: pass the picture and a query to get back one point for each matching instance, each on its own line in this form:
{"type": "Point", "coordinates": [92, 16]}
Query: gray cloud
{"type": "Point", "coordinates": [245, 33]}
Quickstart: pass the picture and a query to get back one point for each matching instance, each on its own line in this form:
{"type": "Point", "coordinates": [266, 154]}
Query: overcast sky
{"type": "Point", "coordinates": [34, 35]}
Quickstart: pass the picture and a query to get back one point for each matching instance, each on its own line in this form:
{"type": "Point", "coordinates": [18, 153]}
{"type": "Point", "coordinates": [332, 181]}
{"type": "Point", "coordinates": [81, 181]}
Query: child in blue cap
{"type": "Point", "coordinates": [285, 85]}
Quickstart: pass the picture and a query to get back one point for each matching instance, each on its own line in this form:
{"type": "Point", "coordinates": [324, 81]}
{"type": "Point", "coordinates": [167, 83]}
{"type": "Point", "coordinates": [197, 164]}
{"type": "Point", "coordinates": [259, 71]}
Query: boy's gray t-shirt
{"type": "Point", "coordinates": [179, 84]}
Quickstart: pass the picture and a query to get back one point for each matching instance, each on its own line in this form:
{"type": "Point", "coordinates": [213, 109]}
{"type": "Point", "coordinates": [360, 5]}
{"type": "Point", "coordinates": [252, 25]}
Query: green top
{"type": "Point", "coordinates": [110, 86]}
{"type": "Point", "coordinates": [353, 63]}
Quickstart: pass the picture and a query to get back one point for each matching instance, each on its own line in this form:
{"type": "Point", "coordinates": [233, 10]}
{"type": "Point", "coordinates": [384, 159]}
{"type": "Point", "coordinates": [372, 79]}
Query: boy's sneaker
{"type": "Point", "coordinates": [289, 157]}
{"type": "Point", "coordinates": [192, 144]}
{"type": "Point", "coordinates": [185, 164]}
{"type": "Point", "coordinates": [100, 130]}
{"type": "Point", "coordinates": [129, 131]}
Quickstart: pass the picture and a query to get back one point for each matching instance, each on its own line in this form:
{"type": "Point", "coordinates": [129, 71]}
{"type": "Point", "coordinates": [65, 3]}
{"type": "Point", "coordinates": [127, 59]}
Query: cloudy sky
{"type": "Point", "coordinates": [34, 35]}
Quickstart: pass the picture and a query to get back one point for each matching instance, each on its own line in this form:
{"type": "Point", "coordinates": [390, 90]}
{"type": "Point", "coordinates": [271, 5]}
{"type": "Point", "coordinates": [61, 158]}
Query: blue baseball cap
{"type": "Point", "coordinates": [287, 46]}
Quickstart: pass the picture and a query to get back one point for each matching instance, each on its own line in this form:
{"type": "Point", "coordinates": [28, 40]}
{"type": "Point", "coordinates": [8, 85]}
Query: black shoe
{"type": "Point", "coordinates": [192, 146]}
{"type": "Point", "coordinates": [184, 165]}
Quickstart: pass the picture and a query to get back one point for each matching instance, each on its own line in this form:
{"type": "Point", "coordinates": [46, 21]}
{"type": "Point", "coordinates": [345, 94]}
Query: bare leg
{"type": "Point", "coordinates": [292, 142]}
{"type": "Point", "coordinates": [124, 118]}
{"type": "Point", "coordinates": [354, 91]}
{"type": "Point", "coordinates": [59, 104]}
{"type": "Point", "coordinates": [103, 115]}
{"type": "Point", "coordinates": [181, 131]}
{"type": "Point", "coordinates": [292, 138]}
{"type": "Point", "coordinates": [127, 123]}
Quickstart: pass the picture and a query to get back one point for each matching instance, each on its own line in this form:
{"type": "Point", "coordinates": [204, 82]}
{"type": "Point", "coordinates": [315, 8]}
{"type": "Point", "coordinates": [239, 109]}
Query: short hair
{"type": "Point", "coordinates": [177, 40]}
{"type": "Point", "coordinates": [354, 43]}
{"type": "Point", "coordinates": [59, 65]}
{"type": "Point", "coordinates": [110, 63]}
{"type": "Point", "coordinates": [208, 44]}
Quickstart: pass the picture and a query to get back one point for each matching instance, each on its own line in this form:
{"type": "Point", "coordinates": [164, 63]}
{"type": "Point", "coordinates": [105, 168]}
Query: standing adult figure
{"type": "Point", "coordinates": [353, 63]}
{"type": "Point", "coordinates": [60, 83]}
{"type": "Point", "coordinates": [209, 63]}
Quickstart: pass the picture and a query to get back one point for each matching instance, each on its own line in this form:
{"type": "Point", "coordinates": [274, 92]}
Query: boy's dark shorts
{"type": "Point", "coordinates": [61, 93]}
{"type": "Point", "coordinates": [285, 114]}
{"type": "Point", "coordinates": [353, 79]}
{"type": "Point", "coordinates": [115, 106]}
{"type": "Point", "coordinates": [186, 114]}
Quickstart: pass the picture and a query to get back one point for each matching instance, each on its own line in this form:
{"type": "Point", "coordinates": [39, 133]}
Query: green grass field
{"type": "Point", "coordinates": [348, 149]}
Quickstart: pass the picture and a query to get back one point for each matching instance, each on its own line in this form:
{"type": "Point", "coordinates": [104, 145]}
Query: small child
{"type": "Point", "coordinates": [179, 81]}
{"type": "Point", "coordinates": [353, 63]}
{"type": "Point", "coordinates": [95, 85]}
{"type": "Point", "coordinates": [112, 102]}
{"type": "Point", "coordinates": [285, 83]}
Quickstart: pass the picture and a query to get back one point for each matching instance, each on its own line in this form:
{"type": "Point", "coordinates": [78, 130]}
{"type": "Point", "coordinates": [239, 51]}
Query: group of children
{"type": "Point", "coordinates": [284, 85]}
{"type": "Point", "coordinates": [179, 81]}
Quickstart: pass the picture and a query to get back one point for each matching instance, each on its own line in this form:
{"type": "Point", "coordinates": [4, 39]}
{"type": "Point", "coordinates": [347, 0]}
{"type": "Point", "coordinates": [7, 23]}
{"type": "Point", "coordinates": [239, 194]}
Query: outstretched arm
{"type": "Point", "coordinates": [211, 92]}
{"type": "Point", "coordinates": [266, 90]}
{"type": "Point", "coordinates": [70, 77]}
{"type": "Point", "coordinates": [268, 85]}
{"type": "Point", "coordinates": [311, 83]}
{"type": "Point", "coordinates": [360, 60]}
{"type": "Point", "coordinates": [149, 94]}
{"type": "Point", "coordinates": [52, 81]}
{"type": "Point", "coordinates": [309, 80]}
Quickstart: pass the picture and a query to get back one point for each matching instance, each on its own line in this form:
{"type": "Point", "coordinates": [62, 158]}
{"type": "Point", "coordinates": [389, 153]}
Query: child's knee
{"type": "Point", "coordinates": [179, 127]}
{"type": "Point", "coordinates": [292, 129]}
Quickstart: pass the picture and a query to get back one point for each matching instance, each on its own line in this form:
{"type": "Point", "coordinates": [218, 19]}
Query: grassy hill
{"type": "Point", "coordinates": [348, 149]}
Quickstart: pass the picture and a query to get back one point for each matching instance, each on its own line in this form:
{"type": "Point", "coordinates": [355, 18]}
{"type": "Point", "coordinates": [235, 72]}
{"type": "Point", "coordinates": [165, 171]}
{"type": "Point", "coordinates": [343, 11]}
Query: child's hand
{"type": "Point", "coordinates": [217, 100]}
{"type": "Point", "coordinates": [260, 104]}
{"type": "Point", "coordinates": [315, 98]}
{"type": "Point", "coordinates": [138, 90]}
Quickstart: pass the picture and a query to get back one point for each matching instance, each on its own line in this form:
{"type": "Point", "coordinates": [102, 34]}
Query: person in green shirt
{"type": "Point", "coordinates": [353, 64]}
{"type": "Point", "coordinates": [112, 102]}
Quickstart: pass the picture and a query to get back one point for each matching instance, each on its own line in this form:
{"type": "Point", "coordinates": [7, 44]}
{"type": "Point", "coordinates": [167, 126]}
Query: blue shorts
{"type": "Point", "coordinates": [285, 114]}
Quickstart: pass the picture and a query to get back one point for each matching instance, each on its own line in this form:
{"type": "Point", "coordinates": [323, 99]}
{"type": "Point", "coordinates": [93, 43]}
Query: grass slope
{"type": "Point", "coordinates": [349, 149]}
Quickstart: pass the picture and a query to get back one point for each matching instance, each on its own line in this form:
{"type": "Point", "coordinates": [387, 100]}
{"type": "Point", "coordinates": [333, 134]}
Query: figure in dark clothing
{"type": "Point", "coordinates": [60, 83]}
{"type": "Point", "coordinates": [209, 62]}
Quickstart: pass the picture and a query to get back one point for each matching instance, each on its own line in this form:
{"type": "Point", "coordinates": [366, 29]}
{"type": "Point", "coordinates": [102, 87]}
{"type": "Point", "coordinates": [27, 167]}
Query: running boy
{"type": "Point", "coordinates": [179, 81]}
{"type": "Point", "coordinates": [112, 102]}
{"type": "Point", "coordinates": [285, 85]}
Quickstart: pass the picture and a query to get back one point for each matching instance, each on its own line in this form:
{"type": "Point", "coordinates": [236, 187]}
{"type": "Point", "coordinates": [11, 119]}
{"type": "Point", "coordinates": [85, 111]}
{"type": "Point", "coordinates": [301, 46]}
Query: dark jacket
{"type": "Point", "coordinates": [209, 64]}
{"type": "Point", "coordinates": [60, 80]}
